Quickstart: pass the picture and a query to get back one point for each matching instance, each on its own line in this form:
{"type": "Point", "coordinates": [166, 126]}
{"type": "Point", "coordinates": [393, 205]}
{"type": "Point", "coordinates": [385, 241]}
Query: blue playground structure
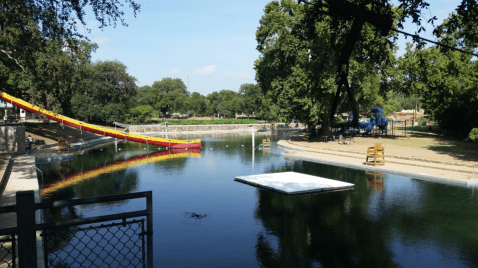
{"type": "Point", "coordinates": [376, 119]}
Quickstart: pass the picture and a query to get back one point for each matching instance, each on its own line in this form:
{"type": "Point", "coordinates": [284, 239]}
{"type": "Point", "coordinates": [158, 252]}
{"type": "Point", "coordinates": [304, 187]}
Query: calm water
{"type": "Point", "coordinates": [203, 218]}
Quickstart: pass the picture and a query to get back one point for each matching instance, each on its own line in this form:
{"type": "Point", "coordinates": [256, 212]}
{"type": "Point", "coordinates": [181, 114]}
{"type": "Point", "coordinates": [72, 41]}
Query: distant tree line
{"type": "Point", "coordinates": [170, 96]}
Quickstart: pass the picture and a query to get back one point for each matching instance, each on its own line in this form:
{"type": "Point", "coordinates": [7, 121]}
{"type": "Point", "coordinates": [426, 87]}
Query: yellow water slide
{"type": "Point", "coordinates": [97, 129]}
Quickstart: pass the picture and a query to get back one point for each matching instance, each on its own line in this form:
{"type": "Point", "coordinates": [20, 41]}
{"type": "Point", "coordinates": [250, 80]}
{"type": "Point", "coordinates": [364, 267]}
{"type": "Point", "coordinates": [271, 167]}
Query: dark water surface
{"type": "Point", "coordinates": [203, 218]}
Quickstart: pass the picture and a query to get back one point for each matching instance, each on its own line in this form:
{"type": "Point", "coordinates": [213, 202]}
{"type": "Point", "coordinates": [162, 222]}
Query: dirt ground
{"type": "Point", "coordinates": [419, 147]}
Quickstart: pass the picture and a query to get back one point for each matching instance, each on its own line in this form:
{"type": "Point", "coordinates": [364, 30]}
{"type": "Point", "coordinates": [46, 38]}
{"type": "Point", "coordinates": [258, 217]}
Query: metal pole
{"type": "Point", "coordinates": [253, 138]}
{"type": "Point", "coordinates": [27, 243]}
{"type": "Point", "coordinates": [149, 207]}
{"type": "Point", "coordinates": [253, 147]}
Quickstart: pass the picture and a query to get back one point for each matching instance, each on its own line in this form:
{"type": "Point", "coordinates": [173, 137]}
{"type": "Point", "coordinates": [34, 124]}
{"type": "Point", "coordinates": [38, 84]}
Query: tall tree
{"type": "Point", "coordinates": [32, 35]}
{"type": "Point", "coordinates": [226, 102]}
{"type": "Point", "coordinates": [253, 98]}
{"type": "Point", "coordinates": [105, 93]}
{"type": "Point", "coordinates": [168, 84]}
{"type": "Point", "coordinates": [175, 101]}
{"type": "Point", "coordinates": [301, 49]}
{"type": "Point", "coordinates": [198, 104]}
{"type": "Point", "coordinates": [448, 85]}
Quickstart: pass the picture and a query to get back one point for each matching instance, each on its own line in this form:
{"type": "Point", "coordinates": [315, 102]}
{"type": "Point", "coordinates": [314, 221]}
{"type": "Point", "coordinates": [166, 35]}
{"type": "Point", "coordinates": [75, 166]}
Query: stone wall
{"type": "Point", "coordinates": [12, 140]}
{"type": "Point", "coordinates": [206, 128]}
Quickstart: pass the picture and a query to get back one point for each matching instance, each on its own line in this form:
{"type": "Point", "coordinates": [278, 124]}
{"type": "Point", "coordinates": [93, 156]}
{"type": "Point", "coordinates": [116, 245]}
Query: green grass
{"type": "Point", "coordinates": [209, 122]}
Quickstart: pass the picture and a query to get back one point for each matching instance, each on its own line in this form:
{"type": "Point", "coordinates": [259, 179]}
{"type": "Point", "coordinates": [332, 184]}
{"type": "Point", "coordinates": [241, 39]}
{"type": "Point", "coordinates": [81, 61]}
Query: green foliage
{"type": "Point", "coordinates": [225, 103]}
{"type": "Point", "coordinates": [210, 122]}
{"type": "Point", "coordinates": [175, 100]}
{"type": "Point", "coordinates": [447, 84]}
{"type": "Point", "coordinates": [391, 106]}
{"type": "Point", "coordinates": [113, 112]}
{"type": "Point", "coordinates": [40, 48]}
{"type": "Point", "coordinates": [142, 113]}
{"type": "Point", "coordinates": [108, 81]}
{"type": "Point", "coordinates": [105, 94]}
{"type": "Point", "coordinates": [473, 136]}
{"type": "Point", "coordinates": [165, 96]}
{"type": "Point", "coordinates": [300, 49]}
{"type": "Point", "coordinates": [167, 85]}
{"type": "Point", "coordinates": [198, 104]}
{"type": "Point", "coordinates": [53, 73]}
{"type": "Point", "coordinates": [253, 99]}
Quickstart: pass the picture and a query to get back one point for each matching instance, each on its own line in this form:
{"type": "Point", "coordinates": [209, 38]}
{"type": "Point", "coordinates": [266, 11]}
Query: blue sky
{"type": "Point", "coordinates": [210, 42]}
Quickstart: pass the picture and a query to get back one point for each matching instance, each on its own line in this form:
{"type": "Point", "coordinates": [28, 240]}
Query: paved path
{"type": "Point", "coordinates": [432, 171]}
{"type": "Point", "coordinates": [22, 177]}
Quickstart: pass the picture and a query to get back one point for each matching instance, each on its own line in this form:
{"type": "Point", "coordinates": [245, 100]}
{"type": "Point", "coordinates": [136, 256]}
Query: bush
{"type": "Point", "coordinates": [474, 135]}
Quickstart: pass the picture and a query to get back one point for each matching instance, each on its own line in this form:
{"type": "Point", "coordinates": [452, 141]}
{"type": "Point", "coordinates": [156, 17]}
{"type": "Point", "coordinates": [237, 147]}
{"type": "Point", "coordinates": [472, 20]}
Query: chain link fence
{"type": "Point", "coordinates": [8, 250]}
{"type": "Point", "coordinates": [120, 244]}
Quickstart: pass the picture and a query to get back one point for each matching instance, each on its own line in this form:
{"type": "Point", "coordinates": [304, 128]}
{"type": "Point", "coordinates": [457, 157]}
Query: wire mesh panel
{"type": "Point", "coordinates": [8, 252]}
{"type": "Point", "coordinates": [108, 245]}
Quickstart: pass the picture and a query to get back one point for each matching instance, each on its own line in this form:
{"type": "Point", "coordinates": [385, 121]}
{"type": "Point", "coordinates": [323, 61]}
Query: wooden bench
{"type": "Point", "coordinates": [376, 154]}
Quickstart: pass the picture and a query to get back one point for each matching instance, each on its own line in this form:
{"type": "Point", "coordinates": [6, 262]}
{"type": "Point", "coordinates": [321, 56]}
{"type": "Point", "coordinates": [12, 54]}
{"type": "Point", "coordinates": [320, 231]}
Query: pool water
{"type": "Point", "coordinates": [203, 218]}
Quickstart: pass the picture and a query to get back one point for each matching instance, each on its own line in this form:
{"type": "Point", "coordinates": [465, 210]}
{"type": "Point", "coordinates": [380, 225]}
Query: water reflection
{"type": "Point", "coordinates": [209, 220]}
{"type": "Point", "coordinates": [409, 223]}
{"type": "Point", "coordinates": [127, 184]}
{"type": "Point", "coordinates": [375, 180]}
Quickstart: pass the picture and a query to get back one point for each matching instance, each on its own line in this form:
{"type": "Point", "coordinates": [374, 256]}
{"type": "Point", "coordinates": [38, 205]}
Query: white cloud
{"type": "Point", "coordinates": [174, 71]}
{"type": "Point", "coordinates": [240, 75]}
{"type": "Point", "coordinates": [208, 70]}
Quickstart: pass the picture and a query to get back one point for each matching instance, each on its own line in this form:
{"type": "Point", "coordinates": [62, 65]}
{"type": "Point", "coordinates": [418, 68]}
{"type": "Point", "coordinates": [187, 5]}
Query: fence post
{"type": "Point", "coordinates": [149, 208]}
{"type": "Point", "coordinates": [27, 243]}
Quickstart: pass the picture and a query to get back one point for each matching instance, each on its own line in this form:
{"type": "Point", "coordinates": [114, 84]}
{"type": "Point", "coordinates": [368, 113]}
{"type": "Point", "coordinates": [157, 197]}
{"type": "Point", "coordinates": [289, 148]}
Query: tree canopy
{"type": "Point", "coordinates": [318, 55]}
{"type": "Point", "coordinates": [105, 93]}
{"type": "Point", "coordinates": [300, 51]}
{"type": "Point", "coordinates": [39, 42]}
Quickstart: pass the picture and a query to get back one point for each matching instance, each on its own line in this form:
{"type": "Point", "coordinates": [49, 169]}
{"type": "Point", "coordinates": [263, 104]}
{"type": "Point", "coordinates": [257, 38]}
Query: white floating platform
{"type": "Point", "coordinates": [293, 183]}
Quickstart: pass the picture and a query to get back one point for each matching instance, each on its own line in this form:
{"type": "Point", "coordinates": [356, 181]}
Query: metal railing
{"type": "Point", "coordinates": [115, 240]}
{"type": "Point", "coordinates": [8, 252]}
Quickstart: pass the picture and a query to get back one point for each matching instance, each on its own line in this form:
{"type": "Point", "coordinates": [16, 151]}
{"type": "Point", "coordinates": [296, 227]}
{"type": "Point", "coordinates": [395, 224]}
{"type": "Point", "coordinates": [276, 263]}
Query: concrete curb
{"type": "Point", "coordinates": [74, 147]}
{"type": "Point", "coordinates": [5, 170]}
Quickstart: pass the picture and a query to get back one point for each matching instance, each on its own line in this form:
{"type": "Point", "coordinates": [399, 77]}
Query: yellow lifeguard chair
{"type": "Point", "coordinates": [376, 155]}
{"type": "Point", "coordinates": [266, 142]}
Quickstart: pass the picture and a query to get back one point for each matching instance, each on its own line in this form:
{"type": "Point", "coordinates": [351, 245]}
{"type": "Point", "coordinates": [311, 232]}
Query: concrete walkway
{"type": "Point", "coordinates": [438, 172]}
{"type": "Point", "coordinates": [22, 177]}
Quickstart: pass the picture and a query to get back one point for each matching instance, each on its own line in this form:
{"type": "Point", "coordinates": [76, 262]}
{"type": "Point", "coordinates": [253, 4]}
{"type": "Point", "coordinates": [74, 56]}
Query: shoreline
{"type": "Point", "coordinates": [453, 174]}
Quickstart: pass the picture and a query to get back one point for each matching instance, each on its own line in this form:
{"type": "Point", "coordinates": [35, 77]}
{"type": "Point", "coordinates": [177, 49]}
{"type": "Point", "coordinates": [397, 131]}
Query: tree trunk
{"type": "Point", "coordinates": [325, 129]}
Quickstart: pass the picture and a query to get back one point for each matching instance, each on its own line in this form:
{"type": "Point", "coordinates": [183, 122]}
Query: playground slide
{"type": "Point", "coordinates": [97, 129]}
{"type": "Point", "coordinates": [118, 165]}
{"type": "Point", "coordinates": [369, 128]}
